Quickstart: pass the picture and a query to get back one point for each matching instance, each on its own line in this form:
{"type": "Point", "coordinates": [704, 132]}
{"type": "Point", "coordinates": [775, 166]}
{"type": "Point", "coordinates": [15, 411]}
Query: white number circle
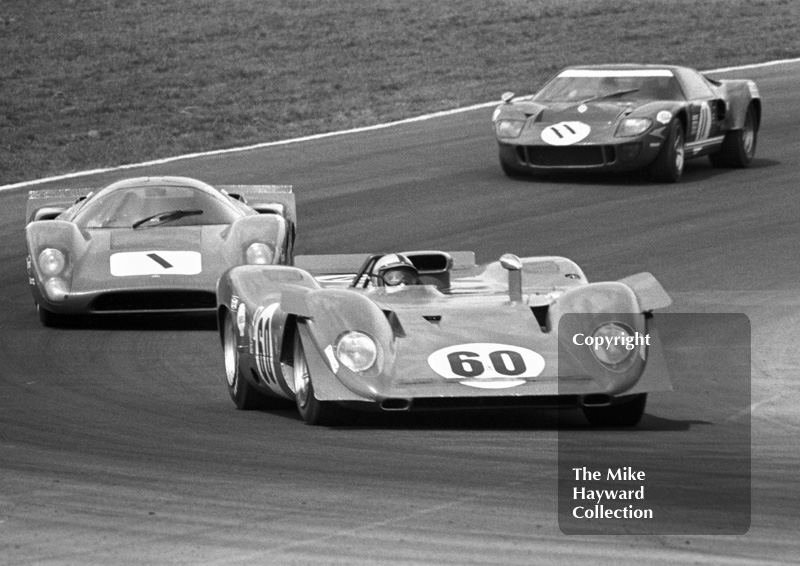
{"type": "Point", "coordinates": [486, 361]}
{"type": "Point", "coordinates": [565, 133]}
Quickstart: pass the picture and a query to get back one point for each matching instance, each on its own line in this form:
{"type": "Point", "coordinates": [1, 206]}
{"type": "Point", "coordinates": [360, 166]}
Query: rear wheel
{"type": "Point", "coordinates": [243, 394]}
{"type": "Point", "coordinates": [313, 411]}
{"type": "Point", "coordinates": [624, 414]}
{"type": "Point", "coordinates": [668, 165]}
{"type": "Point", "coordinates": [739, 146]}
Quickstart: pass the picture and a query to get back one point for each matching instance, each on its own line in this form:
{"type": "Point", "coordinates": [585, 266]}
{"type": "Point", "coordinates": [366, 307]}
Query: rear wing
{"type": "Point", "coordinates": [46, 204]}
{"type": "Point", "coordinates": [266, 199]}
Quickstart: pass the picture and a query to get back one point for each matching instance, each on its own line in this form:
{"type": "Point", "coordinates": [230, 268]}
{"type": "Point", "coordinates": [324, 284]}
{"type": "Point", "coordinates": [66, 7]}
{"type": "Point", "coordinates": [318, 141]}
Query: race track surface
{"type": "Point", "coordinates": [119, 444]}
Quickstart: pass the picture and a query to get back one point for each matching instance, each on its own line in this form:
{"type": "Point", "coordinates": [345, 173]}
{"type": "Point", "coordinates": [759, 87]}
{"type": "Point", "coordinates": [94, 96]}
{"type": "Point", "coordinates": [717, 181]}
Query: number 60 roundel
{"type": "Point", "coordinates": [486, 361]}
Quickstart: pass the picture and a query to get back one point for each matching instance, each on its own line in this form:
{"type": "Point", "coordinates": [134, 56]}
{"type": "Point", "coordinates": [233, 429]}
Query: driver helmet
{"type": "Point", "coordinates": [395, 269]}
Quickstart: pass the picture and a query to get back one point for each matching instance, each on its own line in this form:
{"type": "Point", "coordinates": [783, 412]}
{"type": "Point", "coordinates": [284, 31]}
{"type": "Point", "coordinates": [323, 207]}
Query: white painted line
{"type": "Point", "coordinates": [322, 136]}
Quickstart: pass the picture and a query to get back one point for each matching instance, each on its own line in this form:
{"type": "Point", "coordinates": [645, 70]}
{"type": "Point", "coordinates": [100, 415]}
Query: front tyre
{"type": "Point", "coordinates": [313, 411]}
{"type": "Point", "coordinates": [739, 146]}
{"type": "Point", "coordinates": [51, 319]}
{"type": "Point", "coordinates": [668, 165]}
{"type": "Point", "coordinates": [625, 414]}
{"type": "Point", "coordinates": [243, 394]}
{"type": "Point", "coordinates": [512, 171]}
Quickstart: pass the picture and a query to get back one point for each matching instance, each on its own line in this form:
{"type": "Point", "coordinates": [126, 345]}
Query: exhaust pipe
{"type": "Point", "coordinates": [596, 400]}
{"type": "Point", "coordinates": [396, 404]}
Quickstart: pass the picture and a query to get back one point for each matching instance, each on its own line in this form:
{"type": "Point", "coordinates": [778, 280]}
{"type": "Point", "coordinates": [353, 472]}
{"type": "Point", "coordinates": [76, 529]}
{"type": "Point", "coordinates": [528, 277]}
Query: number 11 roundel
{"type": "Point", "coordinates": [481, 361]}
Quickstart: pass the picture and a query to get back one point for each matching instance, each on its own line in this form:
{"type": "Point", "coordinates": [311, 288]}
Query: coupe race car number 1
{"type": "Point", "coordinates": [483, 365]}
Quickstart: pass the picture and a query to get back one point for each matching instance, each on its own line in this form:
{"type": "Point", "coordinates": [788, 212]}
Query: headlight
{"type": "Point", "coordinates": [356, 350]}
{"type": "Point", "coordinates": [56, 289]}
{"type": "Point", "coordinates": [52, 262]}
{"type": "Point", "coordinates": [259, 254]}
{"type": "Point", "coordinates": [509, 128]}
{"type": "Point", "coordinates": [613, 344]}
{"type": "Point", "coordinates": [633, 127]}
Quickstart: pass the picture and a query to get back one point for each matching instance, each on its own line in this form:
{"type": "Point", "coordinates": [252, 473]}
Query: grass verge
{"type": "Point", "coordinates": [97, 83]}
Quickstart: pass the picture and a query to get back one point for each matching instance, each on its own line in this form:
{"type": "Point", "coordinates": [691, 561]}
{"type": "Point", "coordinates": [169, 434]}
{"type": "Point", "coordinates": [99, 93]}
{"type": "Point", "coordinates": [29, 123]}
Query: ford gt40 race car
{"type": "Point", "coordinates": [428, 330]}
{"type": "Point", "coordinates": [626, 117]}
{"type": "Point", "coordinates": [150, 244]}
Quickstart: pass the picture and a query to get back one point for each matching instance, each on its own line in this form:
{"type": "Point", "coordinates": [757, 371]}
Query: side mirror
{"type": "Point", "coordinates": [513, 264]}
{"type": "Point", "coordinates": [506, 97]}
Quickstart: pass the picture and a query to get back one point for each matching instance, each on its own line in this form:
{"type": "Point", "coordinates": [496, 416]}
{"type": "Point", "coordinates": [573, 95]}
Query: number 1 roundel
{"type": "Point", "coordinates": [486, 361]}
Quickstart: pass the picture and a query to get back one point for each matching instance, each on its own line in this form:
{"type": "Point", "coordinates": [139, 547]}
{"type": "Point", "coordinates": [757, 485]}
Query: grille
{"type": "Point", "coordinates": [154, 301]}
{"type": "Point", "coordinates": [570, 156]}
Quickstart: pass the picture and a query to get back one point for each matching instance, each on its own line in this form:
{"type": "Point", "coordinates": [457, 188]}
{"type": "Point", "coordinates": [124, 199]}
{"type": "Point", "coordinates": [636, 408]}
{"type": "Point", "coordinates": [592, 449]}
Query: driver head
{"type": "Point", "coordinates": [394, 269]}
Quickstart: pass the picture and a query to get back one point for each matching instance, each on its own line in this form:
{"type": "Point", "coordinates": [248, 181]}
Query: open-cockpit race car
{"type": "Point", "coordinates": [432, 330]}
{"type": "Point", "coordinates": [626, 117]}
{"type": "Point", "coordinates": [149, 244]}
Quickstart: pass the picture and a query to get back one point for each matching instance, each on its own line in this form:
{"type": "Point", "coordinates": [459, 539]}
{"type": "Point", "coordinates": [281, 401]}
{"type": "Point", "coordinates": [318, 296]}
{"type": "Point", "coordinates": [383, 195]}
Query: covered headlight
{"type": "Point", "coordinates": [52, 262]}
{"type": "Point", "coordinates": [356, 350]}
{"type": "Point", "coordinates": [56, 289]}
{"type": "Point", "coordinates": [633, 127]}
{"type": "Point", "coordinates": [613, 344]}
{"type": "Point", "coordinates": [509, 128]}
{"type": "Point", "coordinates": [259, 254]}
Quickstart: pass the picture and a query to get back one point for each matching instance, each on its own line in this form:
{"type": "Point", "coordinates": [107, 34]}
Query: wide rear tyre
{"type": "Point", "coordinates": [243, 394]}
{"type": "Point", "coordinates": [624, 414]}
{"type": "Point", "coordinates": [313, 411]}
{"type": "Point", "coordinates": [668, 165]}
{"type": "Point", "coordinates": [739, 146]}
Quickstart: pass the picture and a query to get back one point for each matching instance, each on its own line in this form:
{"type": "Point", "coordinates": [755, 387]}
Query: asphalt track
{"type": "Point", "coordinates": [119, 445]}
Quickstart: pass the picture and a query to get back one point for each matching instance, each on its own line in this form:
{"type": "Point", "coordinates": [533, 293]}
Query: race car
{"type": "Point", "coordinates": [627, 117]}
{"type": "Point", "coordinates": [149, 244]}
{"type": "Point", "coordinates": [426, 330]}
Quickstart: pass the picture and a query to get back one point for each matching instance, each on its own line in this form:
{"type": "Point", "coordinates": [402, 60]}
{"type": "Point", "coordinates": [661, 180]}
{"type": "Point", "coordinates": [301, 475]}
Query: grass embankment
{"type": "Point", "coordinates": [94, 83]}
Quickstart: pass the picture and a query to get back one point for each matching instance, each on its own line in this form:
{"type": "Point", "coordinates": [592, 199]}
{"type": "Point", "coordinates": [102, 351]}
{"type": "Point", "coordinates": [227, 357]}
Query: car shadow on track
{"type": "Point", "coordinates": [696, 172]}
{"type": "Point", "coordinates": [142, 322]}
{"type": "Point", "coordinates": [510, 419]}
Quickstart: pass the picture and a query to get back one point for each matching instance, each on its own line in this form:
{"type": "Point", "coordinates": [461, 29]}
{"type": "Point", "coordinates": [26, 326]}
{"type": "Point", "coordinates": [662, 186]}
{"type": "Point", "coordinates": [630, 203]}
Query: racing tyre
{"type": "Point", "coordinates": [313, 411]}
{"type": "Point", "coordinates": [668, 166]}
{"type": "Point", "coordinates": [511, 171]}
{"type": "Point", "coordinates": [739, 146]}
{"type": "Point", "coordinates": [624, 414]}
{"type": "Point", "coordinates": [51, 319]}
{"type": "Point", "coordinates": [242, 392]}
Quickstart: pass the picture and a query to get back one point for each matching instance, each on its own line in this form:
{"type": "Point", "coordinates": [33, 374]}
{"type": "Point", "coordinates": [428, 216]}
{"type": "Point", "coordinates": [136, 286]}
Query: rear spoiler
{"type": "Point", "coordinates": [46, 204]}
{"type": "Point", "coordinates": [266, 199]}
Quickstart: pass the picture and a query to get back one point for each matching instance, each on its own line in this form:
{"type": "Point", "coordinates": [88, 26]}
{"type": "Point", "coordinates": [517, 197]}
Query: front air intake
{"type": "Point", "coordinates": [158, 301]}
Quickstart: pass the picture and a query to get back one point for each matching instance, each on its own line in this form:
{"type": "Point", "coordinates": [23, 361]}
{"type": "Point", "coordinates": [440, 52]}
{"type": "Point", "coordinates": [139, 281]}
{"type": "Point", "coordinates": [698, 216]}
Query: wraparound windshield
{"type": "Point", "coordinates": [574, 85]}
{"type": "Point", "coordinates": [125, 206]}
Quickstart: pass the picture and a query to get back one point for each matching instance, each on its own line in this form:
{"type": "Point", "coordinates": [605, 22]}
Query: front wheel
{"type": "Point", "coordinates": [51, 319]}
{"type": "Point", "coordinates": [624, 414]}
{"type": "Point", "coordinates": [243, 394]}
{"type": "Point", "coordinates": [739, 146]}
{"type": "Point", "coordinates": [513, 172]}
{"type": "Point", "coordinates": [668, 165]}
{"type": "Point", "coordinates": [313, 411]}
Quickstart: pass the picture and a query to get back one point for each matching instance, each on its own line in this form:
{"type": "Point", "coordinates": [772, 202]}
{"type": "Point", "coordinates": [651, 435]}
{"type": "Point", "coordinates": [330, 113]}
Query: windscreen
{"type": "Point", "coordinates": [585, 85]}
{"type": "Point", "coordinates": [153, 205]}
